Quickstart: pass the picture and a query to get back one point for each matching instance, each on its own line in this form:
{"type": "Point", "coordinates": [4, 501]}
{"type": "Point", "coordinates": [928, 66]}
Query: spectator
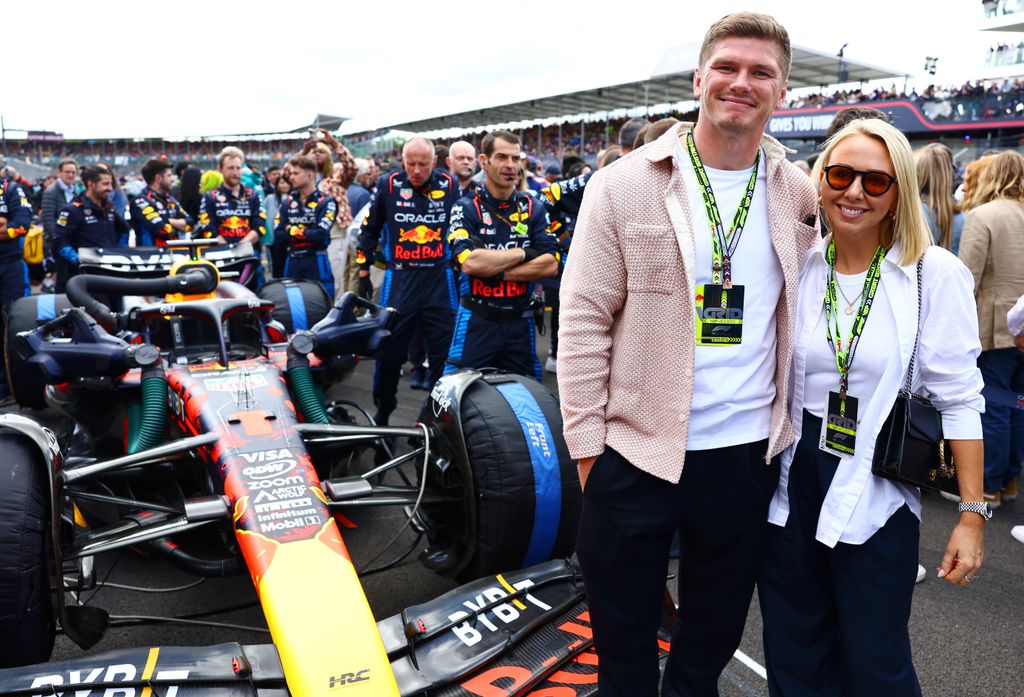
{"type": "Point", "coordinates": [610, 155]}
{"type": "Point", "coordinates": [656, 129]}
{"type": "Point", "coordinates": [271, 206]}
{"type": "Point", "coordinates": [628, 133]}
{"type": "Point", "coordinates": [973, 173]}
{"type": "Point", "coordinates": [552, 173]}
{"type": "Point", "coordinates": [992, 247]}
{"type": "Point", "coordinates": [58, 195]}
{"type": "Point", "coordinates": [358, 193]}
{"type": "Point", "coordinates": [188, 188]}
{"type": "Point", "coordinates": [462, 164]}
{"type": "Point", "coordinates": [934, 165]}
{"type": "Point", "coordinates": [270, 182]}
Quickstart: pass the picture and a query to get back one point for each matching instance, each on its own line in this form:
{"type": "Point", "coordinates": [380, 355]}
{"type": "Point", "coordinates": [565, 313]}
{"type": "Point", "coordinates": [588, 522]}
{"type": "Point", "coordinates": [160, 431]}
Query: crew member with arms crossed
{"type": "Point", "coordinates": [500, 240]}
{"type": "Point", "coordinates": [303, 226]}
{"type": "Point", "coordinates": [678, 308]}
{"type": "Point", "coordinates": [156, 215]}
{"type": "Point", "coordinates": [408, 217]}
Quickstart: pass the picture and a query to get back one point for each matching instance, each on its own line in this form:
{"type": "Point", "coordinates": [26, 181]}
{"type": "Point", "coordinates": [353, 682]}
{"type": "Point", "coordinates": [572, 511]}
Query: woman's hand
{"type": "Point", "coordinates": [965, 552]}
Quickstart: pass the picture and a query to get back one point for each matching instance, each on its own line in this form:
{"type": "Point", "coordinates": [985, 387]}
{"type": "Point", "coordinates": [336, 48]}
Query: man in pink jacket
{"type": "Point", "coordinates": [677, 330]}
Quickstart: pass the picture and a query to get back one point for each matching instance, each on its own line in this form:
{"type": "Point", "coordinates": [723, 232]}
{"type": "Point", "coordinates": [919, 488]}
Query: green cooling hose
{"type": "Point", "coordinates": [148, 423]}
{"type": "Point", "coordinates": [308, 399]}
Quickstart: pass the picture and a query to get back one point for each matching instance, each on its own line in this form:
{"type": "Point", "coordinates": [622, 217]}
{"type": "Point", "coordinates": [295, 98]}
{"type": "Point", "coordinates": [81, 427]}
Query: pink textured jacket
{"type": "Point", "coordinates": [627, 332]}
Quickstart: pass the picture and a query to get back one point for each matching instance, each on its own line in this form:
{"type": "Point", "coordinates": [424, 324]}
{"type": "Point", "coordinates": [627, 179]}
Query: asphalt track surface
{"type": "Point", "coordinates": [967, 641]}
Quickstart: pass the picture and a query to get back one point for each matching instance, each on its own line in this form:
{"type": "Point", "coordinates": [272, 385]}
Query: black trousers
{"type": "Point", "coordinates": [835, 619]}
{"type": "Point", "coordinates": [720, 508]}
{"type": "Point", "coordinates": [434, 324]}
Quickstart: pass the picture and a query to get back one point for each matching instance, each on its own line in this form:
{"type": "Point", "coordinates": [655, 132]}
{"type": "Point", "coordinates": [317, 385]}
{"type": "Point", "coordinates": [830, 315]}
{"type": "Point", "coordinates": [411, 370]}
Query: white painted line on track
{"type": "Point", "coordinates": [751, 663]}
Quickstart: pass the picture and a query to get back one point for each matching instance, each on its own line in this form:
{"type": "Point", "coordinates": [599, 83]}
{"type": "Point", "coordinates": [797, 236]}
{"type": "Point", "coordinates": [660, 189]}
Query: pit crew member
{"type": "Point", "coordinates": [500, 240]}
{"type": "Point", "coordinates": [232, 213]}
{"type": "Point", "coordinates": [156, 215]}
{"type": "Point", "coordinates": [15, 219]}
{"type": "Point", "coordinates": [303, 226]}
{"type": "Point", "coordinates": [408, 218]}
{"type": "Point", "coordinates": [88, 221]}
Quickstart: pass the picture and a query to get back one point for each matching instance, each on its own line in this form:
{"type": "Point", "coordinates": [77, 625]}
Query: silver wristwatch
{"type": "Point", "coordinates": [982, 508]}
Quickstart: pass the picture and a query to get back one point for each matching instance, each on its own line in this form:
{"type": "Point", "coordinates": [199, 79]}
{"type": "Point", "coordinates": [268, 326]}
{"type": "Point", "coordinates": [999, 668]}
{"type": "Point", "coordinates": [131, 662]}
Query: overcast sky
{"type": "Point", "coordinates": [89, 69]}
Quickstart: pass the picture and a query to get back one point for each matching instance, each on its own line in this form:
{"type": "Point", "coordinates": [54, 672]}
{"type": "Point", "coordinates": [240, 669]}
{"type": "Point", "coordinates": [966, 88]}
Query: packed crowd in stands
{"type": "Point", "coordinates": [973, 100]}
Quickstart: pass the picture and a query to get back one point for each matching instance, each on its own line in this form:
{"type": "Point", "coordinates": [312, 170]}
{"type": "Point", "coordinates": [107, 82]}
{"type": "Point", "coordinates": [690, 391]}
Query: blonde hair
{"type": "Point", "coordinates": [972, 174]}
{"type": "Point", "coordinates": [908, 227]}
{"type": "Point", "coordinates": [934, 166]}
{"type": "Point", "coordinates": [1002, 177]}
{"type": "Point", "coordinates": [229, 151]}
{"type": "Point", "coordinates": [326, 168]}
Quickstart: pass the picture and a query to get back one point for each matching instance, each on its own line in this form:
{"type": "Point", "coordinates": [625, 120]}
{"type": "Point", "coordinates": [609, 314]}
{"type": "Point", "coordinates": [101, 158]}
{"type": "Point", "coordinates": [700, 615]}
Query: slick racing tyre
{"type": "Point", "coordinates": [522, 485]}
{"type": "Point", "coordinates": [24, 314]}
{"type": "Point", "coordinates": [298, 304]}
{"type": "Point", "coordinates": [27, 627]}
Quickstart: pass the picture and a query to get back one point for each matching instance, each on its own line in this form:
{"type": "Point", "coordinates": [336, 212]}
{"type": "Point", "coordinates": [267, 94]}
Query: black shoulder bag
{"type": "Point", "coordinates": [910, 448]}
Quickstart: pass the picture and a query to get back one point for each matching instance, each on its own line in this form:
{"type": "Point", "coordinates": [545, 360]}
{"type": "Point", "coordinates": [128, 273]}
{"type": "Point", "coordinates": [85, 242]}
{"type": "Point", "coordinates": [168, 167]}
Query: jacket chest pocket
{"type": "Point", "coordinates": [651, 256]}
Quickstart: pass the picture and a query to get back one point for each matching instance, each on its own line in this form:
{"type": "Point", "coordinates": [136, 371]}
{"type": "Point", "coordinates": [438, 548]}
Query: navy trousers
{"type": "Point", "coordinates": [13, 285]}
{"type": "Point", "coordinates": [835, 619]}
{"type": "Point", "coordinates": [311, 267]}
{"type": "Point", "coordinates": [434, 325]}
{"type": "Point", "coordinates": [479, 342]}
{"type": "Point", "coordinates": [720, 508]}
{"type": "Point", "coordinates": [1002, 426]}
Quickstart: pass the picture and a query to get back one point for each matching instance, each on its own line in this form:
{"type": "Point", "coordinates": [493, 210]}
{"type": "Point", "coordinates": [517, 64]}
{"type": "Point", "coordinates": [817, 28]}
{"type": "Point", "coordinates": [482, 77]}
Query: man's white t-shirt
{"type": "Point", "coordinates": [734, 385]}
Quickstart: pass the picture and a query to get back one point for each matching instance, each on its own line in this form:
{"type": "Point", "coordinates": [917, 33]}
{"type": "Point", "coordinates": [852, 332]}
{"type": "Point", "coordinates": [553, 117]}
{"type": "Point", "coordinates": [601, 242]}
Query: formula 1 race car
{"type": "Point", "coordinates": [199, 422]}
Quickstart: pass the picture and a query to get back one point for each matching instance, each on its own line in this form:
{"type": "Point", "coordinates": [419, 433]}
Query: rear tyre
{"type": "Point", "coordinates": [27, 626]}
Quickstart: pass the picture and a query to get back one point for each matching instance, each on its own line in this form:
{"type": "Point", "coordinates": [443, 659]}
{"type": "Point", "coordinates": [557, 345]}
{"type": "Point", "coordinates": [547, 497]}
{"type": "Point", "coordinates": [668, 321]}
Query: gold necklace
{"type": "Point", "coordinates": [849, 303]}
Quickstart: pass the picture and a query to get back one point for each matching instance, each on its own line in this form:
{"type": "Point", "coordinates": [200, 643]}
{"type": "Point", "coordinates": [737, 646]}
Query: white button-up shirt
{"type": "Point", "coordinates": [858, 503]}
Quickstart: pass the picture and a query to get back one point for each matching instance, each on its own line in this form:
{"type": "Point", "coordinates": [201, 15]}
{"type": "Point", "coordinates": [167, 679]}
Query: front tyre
{"type": "Point", "coordinates": [27, 625]}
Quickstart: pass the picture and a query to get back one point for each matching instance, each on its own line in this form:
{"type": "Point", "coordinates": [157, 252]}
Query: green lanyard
{"type": "Point", "coordinates": [844, 359]}
{"type": "Point", "coordinates": [723, 246]}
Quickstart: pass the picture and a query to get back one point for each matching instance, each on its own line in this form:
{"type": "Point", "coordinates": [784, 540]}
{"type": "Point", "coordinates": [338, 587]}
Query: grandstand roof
{"type": "Point", "coordinates": [670, 82]}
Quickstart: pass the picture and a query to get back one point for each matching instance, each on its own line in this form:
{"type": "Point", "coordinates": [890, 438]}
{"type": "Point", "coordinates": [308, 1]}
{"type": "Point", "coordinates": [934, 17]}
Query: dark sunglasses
{"type": "Point", "coordinates": [874, 182]}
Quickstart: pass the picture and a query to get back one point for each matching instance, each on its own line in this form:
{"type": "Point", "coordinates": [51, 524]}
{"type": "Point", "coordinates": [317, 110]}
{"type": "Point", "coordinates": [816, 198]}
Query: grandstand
{"type": "Point", "coordinates": [988, 112]}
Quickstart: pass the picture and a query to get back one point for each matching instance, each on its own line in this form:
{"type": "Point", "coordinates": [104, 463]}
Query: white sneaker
{"type": "Point", "coordinates": [1018, 533]}
{"type": "Point", "coordinates": [551, 365]}
{"type": "Point", "coordinates": [921, 573]}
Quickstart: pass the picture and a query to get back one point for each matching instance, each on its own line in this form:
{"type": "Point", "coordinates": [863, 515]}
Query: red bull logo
{"type": "Point", "coordinates": [421, 234]}
{"type": "Point", "coordinates": [427, 240]}
{"type": "Point", "coordinates": [233, 222]}
{"type": "Point", "coordinates": [503, 289]}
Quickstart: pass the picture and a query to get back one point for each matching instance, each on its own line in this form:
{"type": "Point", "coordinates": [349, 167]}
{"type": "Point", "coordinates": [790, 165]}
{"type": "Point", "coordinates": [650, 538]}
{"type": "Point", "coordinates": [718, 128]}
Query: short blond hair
{"type": "Point", "coordinates": [908, 227]}
{"type": "Point", "coordinates": [229, 151]}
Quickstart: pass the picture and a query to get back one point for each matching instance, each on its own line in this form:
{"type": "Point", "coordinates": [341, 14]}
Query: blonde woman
{"type": "Point", "coordinates": [842, 556]}
{"type": "Point", "coordinates": [934, 166]}
{"type": "Point", "coordinates": [969, 188]}
{"type": "Point", "coordinates": [992, 248]}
